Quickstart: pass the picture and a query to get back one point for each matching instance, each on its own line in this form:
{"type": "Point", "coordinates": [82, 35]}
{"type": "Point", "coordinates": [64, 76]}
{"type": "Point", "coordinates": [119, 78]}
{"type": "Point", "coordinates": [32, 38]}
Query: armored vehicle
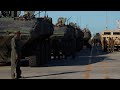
{"type": "Point", "coordinates": [7, 28]}
{"type": "Point", "coordinates": [79, 36]}
{"type": "Point", "coordinates": [39, 43]}
{"type": "Point", "coordinates": [63, 41]}
{"type": "Point", "coordinates": [110, 39]}
{"type": "Point", "coordinates": [35, 38]}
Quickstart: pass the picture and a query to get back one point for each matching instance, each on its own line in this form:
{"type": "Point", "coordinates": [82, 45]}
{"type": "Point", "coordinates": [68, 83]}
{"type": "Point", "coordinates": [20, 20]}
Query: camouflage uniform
{"type": "Point", "coordinates": [15, 58]}
{"type": "Point", "coordinates": [111, 45]}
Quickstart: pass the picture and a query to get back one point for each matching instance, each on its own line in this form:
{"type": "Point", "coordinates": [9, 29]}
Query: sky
{"type": "Point", "coordinates": [95, 20]}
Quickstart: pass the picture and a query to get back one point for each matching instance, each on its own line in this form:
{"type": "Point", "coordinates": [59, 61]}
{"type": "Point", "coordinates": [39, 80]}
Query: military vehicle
{"type": "Point", "coordinates": [96, 40]}
{"type": "Point", "coordinates": [41, 39]}
{"type": "Point", "coordinates": [35, 38]}
{"type": "Point", "coordinates": [63, 41]}
{"type": "Point", "coordinates": [39, 43]}
{"type": "Point", "coordinates": [110, 39]}
{"type": "Point", "coordinates": [7, 28]}
{"type": "Point", "coordinates": [79, 36]}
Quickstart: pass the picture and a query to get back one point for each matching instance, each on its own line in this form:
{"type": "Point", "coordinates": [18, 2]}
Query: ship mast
{"type": "Point", "coordinates": [45, 14]}
{"type": "Point", "coordinates": [68, 20]}
{"type": "Point", "coordinates": [80, 20]}
{"type": "Point", "coordinates": [106, 21]}
{"type": "Point", "coordinates": [39, 13]}
{"type": "Point", "coordinates": [77, 21]}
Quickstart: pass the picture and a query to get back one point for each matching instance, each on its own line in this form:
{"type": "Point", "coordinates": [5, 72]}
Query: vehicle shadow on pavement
{"type": "Point", "coordinates": [82, 58]}
{"type": "Point", "coordinates": [76, 62]}
{"type": "Point", "coordinates": [55, 74]}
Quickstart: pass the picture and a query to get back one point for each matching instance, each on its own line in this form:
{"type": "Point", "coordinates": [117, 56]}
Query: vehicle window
{"type": "Point", "coordinates": [116, 33]}
{"type": "Point", "coordinates": [107, 33]}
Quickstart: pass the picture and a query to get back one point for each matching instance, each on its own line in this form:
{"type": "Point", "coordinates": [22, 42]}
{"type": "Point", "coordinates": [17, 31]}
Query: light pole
{"type": "Point", "coordinates": [39, 13]}
{"type": "Point", "coordinates": [80, 20]}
